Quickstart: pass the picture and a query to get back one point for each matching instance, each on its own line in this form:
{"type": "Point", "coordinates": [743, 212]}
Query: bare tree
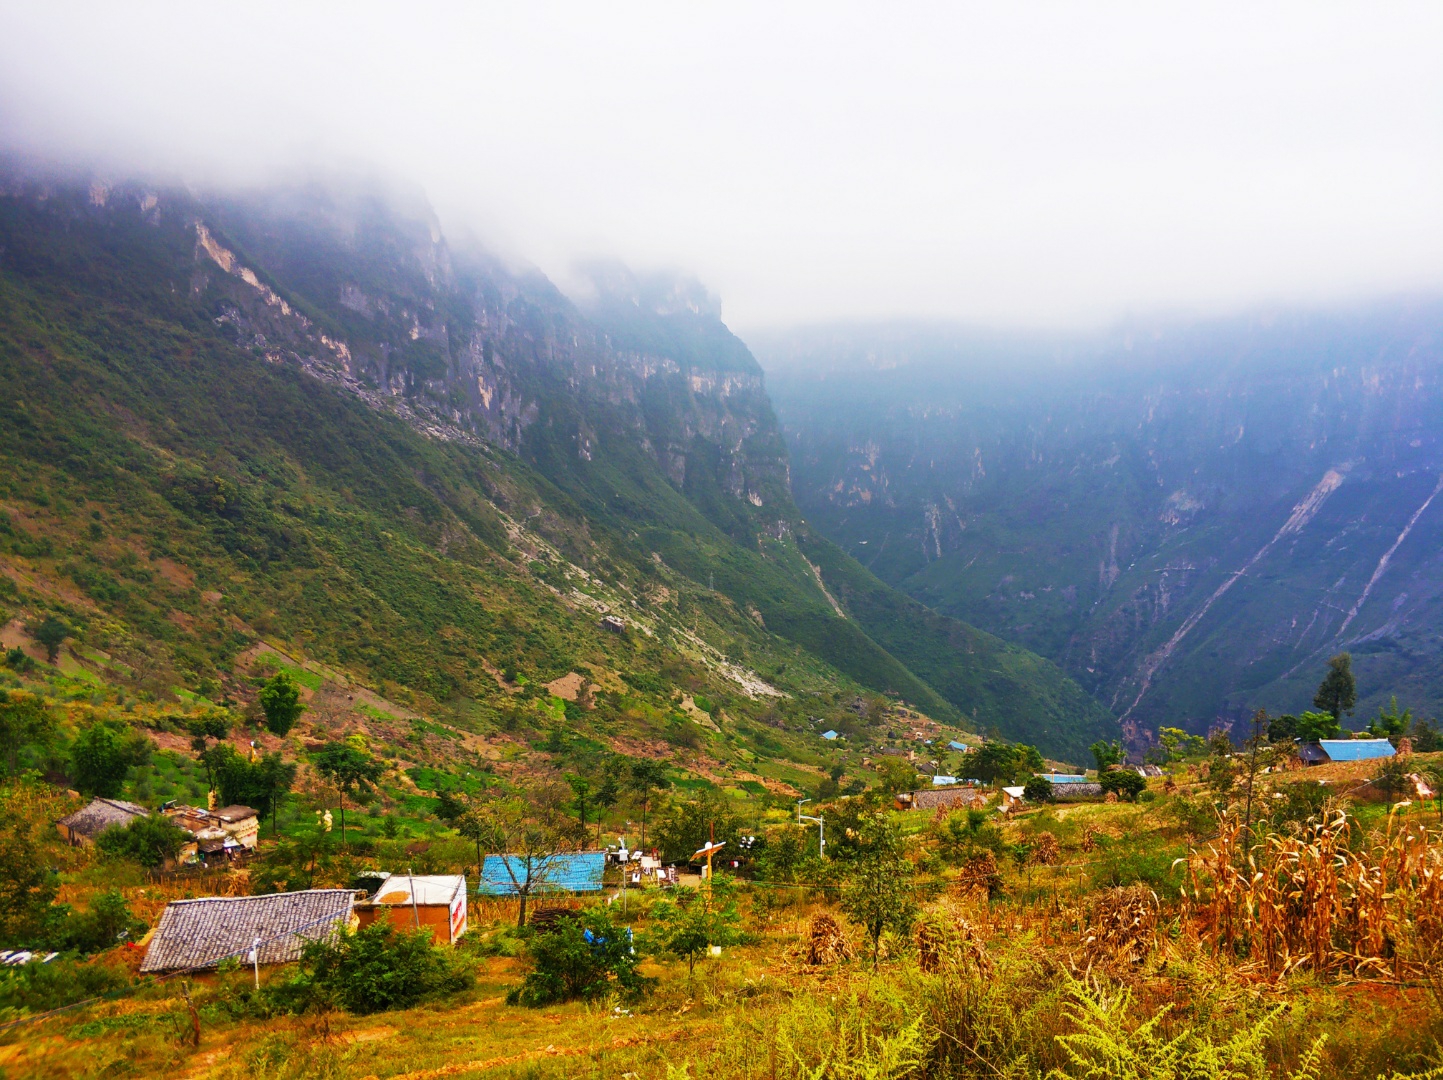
{"type": "Point", "coordinates": [532, 835]}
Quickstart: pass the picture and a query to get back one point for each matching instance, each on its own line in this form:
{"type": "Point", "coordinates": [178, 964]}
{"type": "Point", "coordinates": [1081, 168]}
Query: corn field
{"type": "Point", "coordinates": [1317, 901]}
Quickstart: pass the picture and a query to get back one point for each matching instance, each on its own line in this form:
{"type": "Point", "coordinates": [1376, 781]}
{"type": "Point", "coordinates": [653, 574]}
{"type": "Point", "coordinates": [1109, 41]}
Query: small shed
{"type": "Point", "coordinates": [955, 745]}
{"type": "Point", "coordinates": [1011, 797]}
{"type": "Point", "coordinates": [436, 902]}
{"type": "Point", "coordinates": [1056, 778]}
{"type": "Point", "coordinates": [1356, 749]}
{"type": "Point", "coordinates": [83, 826]}
{"type": "Point", "coordinates": [943, 781]}
{"type": "Point", "coordinates": [830, 734]}
{"type": "Point", "coordinates": [577, 873]}
{"type": "Point", "coordinates": [196, 934]}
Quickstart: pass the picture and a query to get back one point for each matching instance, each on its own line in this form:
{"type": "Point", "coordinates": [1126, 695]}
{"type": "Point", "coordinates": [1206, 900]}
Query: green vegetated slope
{"type": "Point", "coordinates": [302, 416]}
{"type": "Point", "coordinates": [1088, 497]}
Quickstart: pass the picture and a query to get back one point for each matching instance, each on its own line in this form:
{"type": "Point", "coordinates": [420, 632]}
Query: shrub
{"type": "Point", "coordinates": [105, 925]}
{"type": "Point", "coordinates": [38, 987]}
{"type": "Point", "coordinates": [1038, 789]}
{"type": "Point", "coordinates": [151, 841]}
{"type": "Point", "coordinates": [586, 957]}
{"type": "Point", "coordinates": [1128, 784]}
{"type": "Point", "coordinates": [372, 970]}
{"type": "Point", "coordinates": [280, 699]}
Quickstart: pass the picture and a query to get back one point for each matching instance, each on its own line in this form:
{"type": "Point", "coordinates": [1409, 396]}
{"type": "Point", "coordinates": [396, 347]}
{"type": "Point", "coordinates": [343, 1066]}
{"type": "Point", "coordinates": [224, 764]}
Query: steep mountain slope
{"type": "Point", "coordinates": [415, 463]}
{"type": "Point", "coordinates": [1189, 520]}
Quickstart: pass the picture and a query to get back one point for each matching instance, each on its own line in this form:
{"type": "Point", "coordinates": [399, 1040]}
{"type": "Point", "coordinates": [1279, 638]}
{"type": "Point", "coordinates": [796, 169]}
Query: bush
{"type": "Point", "coordinates": [38, 987]}
{"type": "Point", "coordinates": [1128, 784]}
{"type": "Point", "coordinates": [105, 925]}
{"type": "Point", "coordinates": [150, 841]}
{"type": "Point", "coordinates": [1038, 789]}
{"type": "Point", "coordinates": [585, 957]}
{"type": "Point", "coordinates": [372, 970]}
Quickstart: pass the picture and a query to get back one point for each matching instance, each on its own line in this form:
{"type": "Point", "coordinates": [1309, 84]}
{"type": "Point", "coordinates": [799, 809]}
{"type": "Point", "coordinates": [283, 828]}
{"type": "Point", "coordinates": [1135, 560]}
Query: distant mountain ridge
{"type": "Point", "coordinates": [1188, 518]}
{"type": "Point", "coordinates": [633, 432]}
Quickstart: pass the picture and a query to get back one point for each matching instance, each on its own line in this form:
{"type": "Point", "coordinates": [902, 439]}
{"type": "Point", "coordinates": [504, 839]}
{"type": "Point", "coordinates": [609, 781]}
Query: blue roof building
{"type": "Point", "coordinates": [830, 734]}
{"type": "Point", "coordinates": [955, 745]}
{"type": "Point", "coordinates": [1356, 749]}
{"type": "Point", "coordinates": [564, 873]}
{"type": "Point", "coordinates": [1063, 778]}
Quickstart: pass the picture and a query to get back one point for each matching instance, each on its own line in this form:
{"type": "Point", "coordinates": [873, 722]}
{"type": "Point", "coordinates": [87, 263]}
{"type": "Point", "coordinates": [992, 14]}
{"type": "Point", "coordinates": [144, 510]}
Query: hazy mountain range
{"type": "Point", "coordinates": [1188, 518]}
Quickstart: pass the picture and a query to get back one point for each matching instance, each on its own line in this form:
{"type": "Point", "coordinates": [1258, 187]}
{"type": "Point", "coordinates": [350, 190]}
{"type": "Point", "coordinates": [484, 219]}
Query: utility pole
{"type": "Point", "coordinates": [821, 827]}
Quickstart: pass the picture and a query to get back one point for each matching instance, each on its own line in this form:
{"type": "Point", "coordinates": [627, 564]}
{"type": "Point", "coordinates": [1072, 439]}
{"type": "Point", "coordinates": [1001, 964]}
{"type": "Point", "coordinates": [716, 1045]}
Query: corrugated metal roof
{"type": "Point", "coordinates": [1357, 749]}
{"type": "Point", "coordinates": [564, 873]}
{"type": "Point", "coordinates": [955, 745]}
{"type": "Point", "coordinates": [1063, 778]}
{"type": "Point", "coordinates": [427, 889]}
{"type": "Point", "coordinates": [201, 933]}
{"type": "Point", "coordinates": [100, 815]}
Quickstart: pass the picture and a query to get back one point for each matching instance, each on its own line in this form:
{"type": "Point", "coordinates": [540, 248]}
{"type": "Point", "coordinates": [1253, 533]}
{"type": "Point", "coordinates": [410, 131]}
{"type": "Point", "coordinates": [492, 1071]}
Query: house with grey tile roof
{"type": "Point", "coordinates": [83, 826]}
{"type": "Point", "coordinates": [201, 933]}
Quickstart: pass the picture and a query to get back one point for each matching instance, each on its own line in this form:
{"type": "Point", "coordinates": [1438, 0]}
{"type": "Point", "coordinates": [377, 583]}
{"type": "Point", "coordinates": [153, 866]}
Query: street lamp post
{"type": "Point", "coordinates": [821, 827]}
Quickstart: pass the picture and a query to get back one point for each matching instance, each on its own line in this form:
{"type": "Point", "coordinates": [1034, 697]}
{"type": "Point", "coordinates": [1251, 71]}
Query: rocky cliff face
{"type": "Point", "coordinates": [1190, 520]}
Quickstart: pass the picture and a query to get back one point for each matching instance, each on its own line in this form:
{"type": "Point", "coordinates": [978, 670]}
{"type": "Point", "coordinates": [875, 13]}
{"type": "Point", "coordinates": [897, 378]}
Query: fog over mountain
{"type": "Point", "coordinates": [998, 164]}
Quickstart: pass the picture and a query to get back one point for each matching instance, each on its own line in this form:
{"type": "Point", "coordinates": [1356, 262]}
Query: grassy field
{"type": "Point", "coordinates": [1099, 953]}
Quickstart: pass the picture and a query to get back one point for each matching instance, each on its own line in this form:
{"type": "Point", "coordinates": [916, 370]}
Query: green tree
{"type": "Point", "coordinates": [280, 700]}
{"type": "Point", "coordinates": [1038, 789]}
{"type": "Point", "coordinates": [274, 777]}
{"type": "Point", "coordinates": [1126, 783]}
{"type": "Point", "coordinates": [646, 778]}
{"type": "Point", "coordinates": [607, 796]}
{"type": "Point", "coordinates": [1338, 692]}
{"type": "Point", "coordinates": [693, 920]}
{"type": "Point", "coordinates": [585, 956]}
{"type": "Point", "coordinates": [1283, 728]}
{"type": "Point", "coordinates": [28, 883]}
{"type": "Point", "coordinates": [151, 841]}
{"type": "Point", "coordinates": [472, 825]}
{"type": "Point", "coordinates": [348, 767]}
{"type": "Point", "coordinates": [25, 719]}
{"type": "Point", "coordinates": [688, 825]}
{"type": "Point", "coordinates": [102, 755]}
{"type": "Point", "coordinates": [1107, 753]}
{"type": "Point", "coordinates": [1312, 726]}
{"type": "Point", "coordinates": [581, 790]}
{"type": "Point", "coordinates": [1391, 725]}
{"type": "Point", "coordinates": [879, 896]}
{"type": "Point", "coordinates": [1178, 744]}
{"type": "Point", "coordinates": [51, 633]}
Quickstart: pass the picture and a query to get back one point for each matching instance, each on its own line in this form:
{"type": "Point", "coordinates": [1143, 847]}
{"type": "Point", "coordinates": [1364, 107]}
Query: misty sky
{"type": "Point", "coordinates": [1003, 163]}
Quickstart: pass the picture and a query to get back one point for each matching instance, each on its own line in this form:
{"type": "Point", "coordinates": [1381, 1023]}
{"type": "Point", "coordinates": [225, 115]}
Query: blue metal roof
{"type": "Point", "coordinates": [1063, 778]}
{"type": "Point", "coordinates": [1357, 749]}
{"type": "Point", "coordinates": [829, 735]}
{"type": "Point", "coordinates": [955, 745]}
{"type": "Point", "coordinates": [564, 873]}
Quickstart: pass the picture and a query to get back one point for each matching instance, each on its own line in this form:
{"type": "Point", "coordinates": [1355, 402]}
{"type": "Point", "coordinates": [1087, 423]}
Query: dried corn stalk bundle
{"type": "Point", "coordinates": [979, 874]}
{"type": "Point", "coordinates": [826, 942]}
{"type": "Point", "coordinates": [1045, 850]}
{"type": "Point", "coordinates": [1121, 925]}
{"type": "Point", "coordinates": [945, 939]}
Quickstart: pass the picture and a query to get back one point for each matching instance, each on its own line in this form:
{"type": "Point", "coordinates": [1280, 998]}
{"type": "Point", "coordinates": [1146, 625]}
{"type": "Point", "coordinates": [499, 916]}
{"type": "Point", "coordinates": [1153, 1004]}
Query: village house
{"type": "Point", "coordinates": [230, 830]}
{"type": "Point", "coordinates": [199, 934]}
{"type": "Point", "coordinates": [434, 902]}
{"type": "Point", "coordinates": [83, 826]}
